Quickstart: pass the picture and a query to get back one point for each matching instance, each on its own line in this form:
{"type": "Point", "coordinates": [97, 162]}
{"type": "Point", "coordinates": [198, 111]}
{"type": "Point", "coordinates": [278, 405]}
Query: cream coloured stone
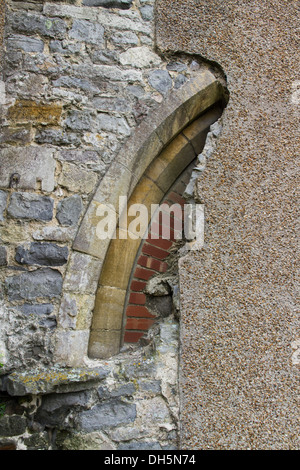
{"type": "Point", "coordinates": [140, 57]}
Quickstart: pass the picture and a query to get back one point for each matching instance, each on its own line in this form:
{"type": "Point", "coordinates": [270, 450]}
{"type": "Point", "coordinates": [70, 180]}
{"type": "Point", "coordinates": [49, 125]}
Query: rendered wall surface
{"type": "Point", "coordinates": [240, 325]}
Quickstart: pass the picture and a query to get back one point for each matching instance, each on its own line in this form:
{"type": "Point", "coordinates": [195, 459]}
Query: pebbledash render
{"type": "Point", "coordinates": [150, 342]}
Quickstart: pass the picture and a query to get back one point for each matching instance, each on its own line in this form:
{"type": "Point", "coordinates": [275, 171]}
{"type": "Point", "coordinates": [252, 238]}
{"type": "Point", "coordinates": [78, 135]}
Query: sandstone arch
{"type": "Point", "coordinates": [155, 155]}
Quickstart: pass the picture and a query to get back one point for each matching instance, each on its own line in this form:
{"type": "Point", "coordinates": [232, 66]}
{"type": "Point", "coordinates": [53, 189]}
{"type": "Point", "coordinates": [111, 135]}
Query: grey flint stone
{"type": "Point", "coordinates": [43, 254]}
{"type": "Point", "coordinates": [113, 124]}
{"type": "Point", "coordinates": [73, 82]}
{"type": "Point", "coordinates": [3, 201]}
{"type": "Point", "coordinates": [179, 81]}
{"type": "Point", "coordinates": [86, 31]}
{"type": "Point", "coordinates": [79, 121]}
{"type": "Point", "coordinates": [176, 66]}
{"type": "Point", "coordinates": [37, 309]}
{"type": "Point", "coordinates": [69, 210]}
{"type": "Point", "coordinates": [65, 49]}
{"type": "Point", "coordinates": [37, 24]}
{"type": "Point", "coordinates": [57, 137]}
{"type": "Point", "coordinates": [125, 38]}
{"type": "Point", "coordinates": [122, 4]}
{"type": "Point", "coordinates": [45, 283]}
{"type": "Point", "coordinates": [25, 43]}
{"type": "Point", "coordinates": [160, 80]}
{"type": "Point", "coordinates": [30, 206]}
{"type": "Point", "coordinates": [107, 415]}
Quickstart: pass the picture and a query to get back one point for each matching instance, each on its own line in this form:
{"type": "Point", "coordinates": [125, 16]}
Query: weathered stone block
{"type": "Point", "coordinates": [69, 210]}
{"type": "Point", "coordinates": [44, 283]}
{"type": "Point", "coordinates": [55, 234]}
{"type": "Point", "coordinates": [71, 347]}
{"type": "Point", "coordinates": [64, 48]}
{"type": "Point", "coordinates": [56, 379]}
{"type": "Point", "coordinates": [15, 135]}
{"type": "Point", "coordinates": [75, 179]}
{"type": "Point", "coordinates": [113, 124]}
{"type": "Point", "coordinates": [38, 24]}
{"type": "Point", "coordinates": [57, 137]}
{"type": "Point", "coordinates": [24, 111]}
{"type": "Point", "coordinates": [83, 273]}
{"type": "Point", "coordinates": [43, 254]}
{"type": "Point", "coordinates": [37, 309]}
{"type": "Point", "coordinates": [25, 43]}
{"type": "Point", "coordinates": [79, 121]}
{"type": "Point", "coordinates": [125, 38]}
{"type": "Point", "coordinates": [32, 164]}
{"type": "Point", "coordinates": [107, 415]}
{"type": "Point", "coordinates": [55, 408]}
{"type": "Point", "coordinates": [76, 311]}
{"type": "Point", "coordinates": [161, 81]}
{"type": "Point", "coordinates": [86, 31]}
{"type": "Point", "coordinates": [140, 57]}
{"type": "Point", "coordinates": [30, 206]}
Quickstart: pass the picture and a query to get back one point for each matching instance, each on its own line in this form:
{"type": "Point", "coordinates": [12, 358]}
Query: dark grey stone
{"type": "Point", "coordinates": [25, 43]}
{"type": "Point", "coordinates": [3, 256]}
{"type": "Point", "coordinates": [103, 56]}
{"type": "Point", "coordinates": [69, 210]}
{"type": "Point", "coordinates": [139, 445]}
{"type": "Point", "coordinates": [160, 306]}
{"type": "Point", "coordinates": [73, 82]}
{"type": "Point", "coordinates": [12, 425]}
{"type": "Point", "coordinates": [64, 49]}
{"type": "Point", "coordinates": [30, 206]}
{"type": "Point", "coordinates": [107, 415]}
{"type": "Point", "coordinates": [160, 80]}
{"type": "Point", "coordinates": [57, 137]}
{"type": "Point", "coordinates": [56, 407]}
{"type": "Point", "coordinates": [122, 391]}
{"type": "Point", "coordinates": [111, 104]}
{"type": "Point", "coordinates": [79, 121]}
{"type": "Point", "coordinates": [176, 66]}
{"type": "Point", "coordinates": [45, 283]}
{"type": "Point", "coordinates": [42, 254]}
{"type": "Point", "coordinates": [122, 4]}
{"type": "Point", "coordinates": [38, 24]}
{"type": "Point", "coordinates": [152, 386]}
{"type": "Point", "coordinates": [86, 31]}
{"type": "Point", "coordinates": [125, 38]}
{"type": "Point", "coordinates": [37, 309]}
{"type": "Point", "coordinates": [179, 81]}
{"type": "Point", "coordinates": [147, 12]}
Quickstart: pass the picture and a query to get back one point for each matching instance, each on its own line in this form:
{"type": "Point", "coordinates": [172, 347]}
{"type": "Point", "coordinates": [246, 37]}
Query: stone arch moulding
{"type": "Point", "coordinates": [158, 151]}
